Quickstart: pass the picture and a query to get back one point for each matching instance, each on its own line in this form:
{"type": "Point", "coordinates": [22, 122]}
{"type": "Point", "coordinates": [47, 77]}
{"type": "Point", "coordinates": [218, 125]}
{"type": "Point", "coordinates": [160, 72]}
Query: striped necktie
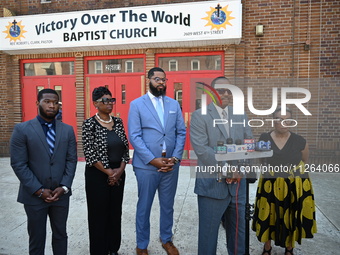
{"type": "Point", "coordinates": [50, 137]}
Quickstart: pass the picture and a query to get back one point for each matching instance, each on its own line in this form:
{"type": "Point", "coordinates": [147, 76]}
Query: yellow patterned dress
{"type": "Point", "coordinates": [284, 205]}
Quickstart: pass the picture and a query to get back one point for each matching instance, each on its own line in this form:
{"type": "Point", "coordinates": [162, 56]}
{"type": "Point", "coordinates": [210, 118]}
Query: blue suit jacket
{"type": "Point", "coordinates": [146, 133]}
{"type": "Point", "coordinates": [204, 136]}
{"type": "Point", "coordinates": [33, 163]}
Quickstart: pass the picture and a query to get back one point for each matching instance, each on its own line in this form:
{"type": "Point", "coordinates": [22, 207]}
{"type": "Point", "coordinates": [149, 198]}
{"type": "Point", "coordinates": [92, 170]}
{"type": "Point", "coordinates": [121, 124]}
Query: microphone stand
{"type": "Point", "coordinates": [250, 179]}
{"type": "Point", "coordinates": [249, 210]}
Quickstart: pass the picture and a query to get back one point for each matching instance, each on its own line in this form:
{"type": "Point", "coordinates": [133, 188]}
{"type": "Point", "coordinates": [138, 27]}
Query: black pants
{"type": "Point", "coordinates": [104, 206]}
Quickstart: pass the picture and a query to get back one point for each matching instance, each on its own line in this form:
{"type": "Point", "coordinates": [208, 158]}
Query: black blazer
{"type": "Point", "coordinates": [94, 137]}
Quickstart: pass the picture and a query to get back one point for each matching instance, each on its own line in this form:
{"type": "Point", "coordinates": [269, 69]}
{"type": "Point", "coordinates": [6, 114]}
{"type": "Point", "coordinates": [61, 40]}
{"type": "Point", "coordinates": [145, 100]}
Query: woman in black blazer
{"type": "Point", "coordinates": [106, 151]}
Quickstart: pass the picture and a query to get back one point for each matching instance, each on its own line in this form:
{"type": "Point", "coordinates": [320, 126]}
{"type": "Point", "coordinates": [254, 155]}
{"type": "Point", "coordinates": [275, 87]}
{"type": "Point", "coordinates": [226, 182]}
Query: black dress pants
{"type": "Point", "coordinates": [104, 206]}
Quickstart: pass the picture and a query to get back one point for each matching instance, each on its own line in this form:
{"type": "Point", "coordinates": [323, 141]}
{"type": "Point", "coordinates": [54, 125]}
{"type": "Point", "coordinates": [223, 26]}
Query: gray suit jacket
{"type": "Point", "coordinates": [204, 136]}
{"type": "Point", "coordinates": [33, 164]}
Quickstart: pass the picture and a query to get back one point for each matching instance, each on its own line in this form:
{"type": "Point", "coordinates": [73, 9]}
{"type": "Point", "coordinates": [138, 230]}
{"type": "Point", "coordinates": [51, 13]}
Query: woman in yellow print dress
{"type": "Point", "coordinates": [284, 206]}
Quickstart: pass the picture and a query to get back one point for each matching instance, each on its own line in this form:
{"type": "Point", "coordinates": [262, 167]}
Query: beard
{"type": "Point", "coordinates": [46, 115]}
{"type": "Point", "coordinates": [154, 91]}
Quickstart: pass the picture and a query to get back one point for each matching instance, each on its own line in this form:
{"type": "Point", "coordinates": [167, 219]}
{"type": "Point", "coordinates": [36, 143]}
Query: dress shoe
{"type": "Point", "coordinates": [170, 248]}
{"type": "Point", "coordinates": [141, 251]}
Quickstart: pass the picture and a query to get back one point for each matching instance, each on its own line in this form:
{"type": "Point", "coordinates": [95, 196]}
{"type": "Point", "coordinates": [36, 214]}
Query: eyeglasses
{"type": "Point", "coordinates": [106, 100]}
{"type": "Point", "coordinates": [222, 91]}
{"type": "Point", "coordinates": [157, 79]}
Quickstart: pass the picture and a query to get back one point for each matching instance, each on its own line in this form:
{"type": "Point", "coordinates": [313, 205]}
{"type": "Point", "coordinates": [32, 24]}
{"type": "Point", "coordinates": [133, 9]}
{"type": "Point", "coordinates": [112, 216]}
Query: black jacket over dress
{"type": "Point", "coordinates": [104, 202]}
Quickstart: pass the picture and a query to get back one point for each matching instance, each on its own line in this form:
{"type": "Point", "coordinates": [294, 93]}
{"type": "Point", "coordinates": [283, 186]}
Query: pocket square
{"type": "Point", "coordinates": [172, 112]}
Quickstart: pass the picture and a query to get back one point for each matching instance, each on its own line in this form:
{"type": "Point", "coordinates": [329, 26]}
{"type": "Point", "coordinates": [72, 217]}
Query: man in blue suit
{"type": "Point", "coordinates": [44, 158]}
{"type": "Point", "coordinates": [157, 133]}
{"type": "Point", "coordinates": [226, 197]}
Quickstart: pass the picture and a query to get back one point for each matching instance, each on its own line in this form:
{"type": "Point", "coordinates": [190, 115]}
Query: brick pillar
{"type": "Point", "coordinates": [80, 98]}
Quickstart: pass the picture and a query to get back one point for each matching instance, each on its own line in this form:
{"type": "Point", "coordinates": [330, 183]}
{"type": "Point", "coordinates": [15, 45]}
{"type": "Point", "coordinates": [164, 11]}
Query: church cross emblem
{"type": "Point", "coordinates": [218, 8]}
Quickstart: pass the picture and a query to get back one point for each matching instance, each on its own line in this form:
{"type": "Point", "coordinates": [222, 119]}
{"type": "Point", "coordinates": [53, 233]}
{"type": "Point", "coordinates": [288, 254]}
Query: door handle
{"type": "Point", "coordinates": [186, 119]}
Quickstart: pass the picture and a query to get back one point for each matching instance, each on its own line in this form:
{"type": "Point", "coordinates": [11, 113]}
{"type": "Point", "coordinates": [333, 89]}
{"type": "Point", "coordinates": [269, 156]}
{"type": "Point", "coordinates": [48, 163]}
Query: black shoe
{"type": "Point", "coordinates": [113, 253]}
{"type": "Point", "coordinates": [289, 251]}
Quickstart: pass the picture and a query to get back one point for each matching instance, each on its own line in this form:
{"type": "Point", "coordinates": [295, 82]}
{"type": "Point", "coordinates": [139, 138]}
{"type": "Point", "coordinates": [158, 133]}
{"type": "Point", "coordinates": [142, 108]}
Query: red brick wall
{"type": "Point", "coordinates": [3, 105]}
{"type": "Point", "coordinates": [281, 54]}
{"type": "Point", "coordinates": [329, 100]}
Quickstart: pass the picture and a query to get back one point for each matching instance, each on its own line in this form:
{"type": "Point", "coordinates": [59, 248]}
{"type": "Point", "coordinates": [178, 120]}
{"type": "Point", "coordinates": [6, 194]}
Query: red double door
{"type": "Point", "coordinates": [65, 87]}
{"type": "Point", "coordinates": [124, 87]}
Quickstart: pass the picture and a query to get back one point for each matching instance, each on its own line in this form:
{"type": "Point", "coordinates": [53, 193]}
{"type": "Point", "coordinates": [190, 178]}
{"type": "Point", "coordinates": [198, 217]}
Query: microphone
{"type": "Point", "coordinates": [230, 146]}
{"type": "Point", "coordinates": [220, 149]}
{"type": "Point", "coordinates": [263, 146]}
{"type": "Point", "coordinates": [239, 146]}
{"type": "Point", "coordinates": [249, 142]}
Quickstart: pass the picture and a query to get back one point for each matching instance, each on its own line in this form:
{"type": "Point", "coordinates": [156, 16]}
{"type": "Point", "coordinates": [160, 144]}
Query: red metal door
{"type": "Point", "coordinates": [91, 84]}
{"type": "Point", "coordinates": [124, 87]}
{"type": "Point", "coordinates": [183, 87]}
{"type": "Point", "coordinates": [127, 88]}
{"type": "Point", "coordinates": [65, 86]}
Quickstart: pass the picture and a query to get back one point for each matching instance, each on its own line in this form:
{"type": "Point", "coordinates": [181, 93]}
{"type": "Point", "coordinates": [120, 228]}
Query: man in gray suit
{"type": "Point", "coordinates": [44, 158]}
{"type": "Point", "coordinates": [225, 197]}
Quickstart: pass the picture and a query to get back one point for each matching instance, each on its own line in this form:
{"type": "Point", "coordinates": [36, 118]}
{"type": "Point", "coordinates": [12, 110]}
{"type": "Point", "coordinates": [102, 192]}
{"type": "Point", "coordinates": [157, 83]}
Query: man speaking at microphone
{"type": "Point", "coordinates": [225, 197]}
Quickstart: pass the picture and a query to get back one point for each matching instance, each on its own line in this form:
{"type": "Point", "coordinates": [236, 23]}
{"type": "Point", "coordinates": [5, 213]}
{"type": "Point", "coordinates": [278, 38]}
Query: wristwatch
{"type": "Point", "coordinates": [66, 189]}
{"type": "Point", "coordinates": [176, 160]}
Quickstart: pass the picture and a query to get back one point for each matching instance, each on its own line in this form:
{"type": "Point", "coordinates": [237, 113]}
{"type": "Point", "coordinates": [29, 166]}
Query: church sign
{"type": "Point", "coordinates": [169, 25]}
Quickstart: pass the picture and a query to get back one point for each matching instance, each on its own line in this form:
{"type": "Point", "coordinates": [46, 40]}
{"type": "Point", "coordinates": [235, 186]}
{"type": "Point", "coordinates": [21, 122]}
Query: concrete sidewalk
{"type": "Point", "coordinates": [14, 239]}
